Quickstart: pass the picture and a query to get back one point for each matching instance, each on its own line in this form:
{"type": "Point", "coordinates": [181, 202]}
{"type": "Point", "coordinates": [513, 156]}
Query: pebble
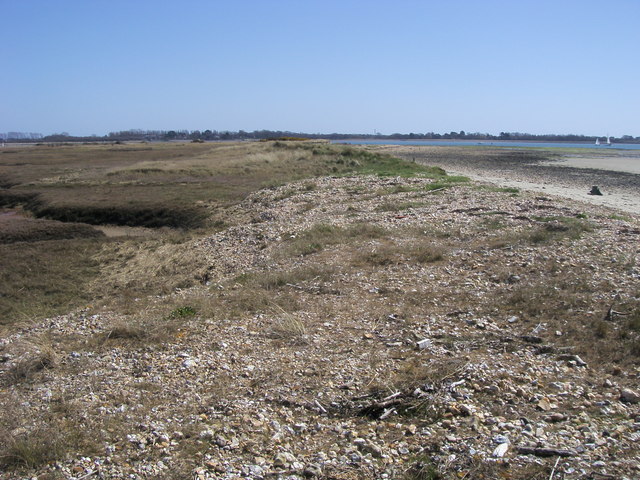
{"type": "Point", "coordinates": [629, 396]}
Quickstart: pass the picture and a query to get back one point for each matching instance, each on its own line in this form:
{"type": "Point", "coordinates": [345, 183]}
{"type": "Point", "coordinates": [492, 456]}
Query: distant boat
{"type": "Point", "coordinates": [608, 144]}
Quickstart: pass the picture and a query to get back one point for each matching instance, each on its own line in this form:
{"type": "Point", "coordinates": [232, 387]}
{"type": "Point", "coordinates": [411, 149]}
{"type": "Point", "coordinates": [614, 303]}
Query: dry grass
{"type": "Point", "coordinates": [288, 327]}
{"type": "Point", "coordinates": [30, 441]}
{"type": "Point", "coordinates": [182, 186]}
{"type": "Point", "coordinates": [393, 252]}
{"type": "Point", "coordinates": [32, 357]}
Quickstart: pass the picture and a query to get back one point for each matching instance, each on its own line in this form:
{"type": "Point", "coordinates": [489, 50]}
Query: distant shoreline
{"type": "Point", "coordinates": [494, 143]}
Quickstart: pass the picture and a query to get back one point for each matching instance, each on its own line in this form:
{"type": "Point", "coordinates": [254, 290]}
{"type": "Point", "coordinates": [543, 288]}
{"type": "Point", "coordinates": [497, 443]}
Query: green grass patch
{"type": "Point", "coordinates": [557, 228]}
{"type": "Point", "coordinates": [447, 181]}
{"type": "Point", "coordinates": [619, 217]}
{"type": "Point", "coordinates": [183, 312]}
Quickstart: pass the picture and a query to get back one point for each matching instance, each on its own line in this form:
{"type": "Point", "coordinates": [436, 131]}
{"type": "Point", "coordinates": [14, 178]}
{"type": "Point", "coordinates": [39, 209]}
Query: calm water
{"type": "Point", "coordinates": [495, 143]}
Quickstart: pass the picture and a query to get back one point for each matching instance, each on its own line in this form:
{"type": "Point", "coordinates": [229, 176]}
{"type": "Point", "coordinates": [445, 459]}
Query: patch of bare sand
{"type": "Point", "coordinates": [628, 163]}
{"type": "Point", "coordinates": [625, 201]}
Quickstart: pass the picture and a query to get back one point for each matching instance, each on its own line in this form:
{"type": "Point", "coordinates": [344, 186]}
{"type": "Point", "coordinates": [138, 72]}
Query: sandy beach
{"type": "Point", "coordinates": [616, 173]}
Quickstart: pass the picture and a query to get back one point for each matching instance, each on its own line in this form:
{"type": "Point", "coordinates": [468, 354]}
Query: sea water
{"type": "Point", "coordinates": [493, 143]}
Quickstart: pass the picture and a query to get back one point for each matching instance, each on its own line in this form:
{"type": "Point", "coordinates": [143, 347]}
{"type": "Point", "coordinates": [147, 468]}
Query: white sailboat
{"type": "Point", "coordinates": [608, 144]}
{"type": "Point", "coordinates": [598, 141]}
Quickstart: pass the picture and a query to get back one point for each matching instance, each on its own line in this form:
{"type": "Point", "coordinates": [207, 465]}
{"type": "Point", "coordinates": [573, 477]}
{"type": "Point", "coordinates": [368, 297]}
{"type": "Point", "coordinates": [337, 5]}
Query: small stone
{"type": "Point", "coordinates": [573, 358]}
{"type": "Point", "coordinates": [500, 439]}
{"type": "Point", "coordinates": [422, 344]}
{"type": "Point", "coordinates": [312, 470]}
{"type": "Point", "coordinates": [629, 396]}
{"type": "Point", "coordinates": [283, 460]}
{"type": "Point", "coordinates": [465, 410]}
{"type": "Point", "coordinates": [544, 404]}
{"type": "Point", "coordinates": [500, 450]}
{"type": "Point", "coordinates": [557, 417]}
{"type": "Point", "coordinates": [373, 449]}
{"type": "Point", "coordinates": [207, 435]}
{"type": "Point", "coordinates": [300, 427]}
{"type": "Point", "coordinates": [359, 442]}
{"type": "Point", "coordinates": [189, 363]}
{"type": "Point", "coordinates": [532, 339]}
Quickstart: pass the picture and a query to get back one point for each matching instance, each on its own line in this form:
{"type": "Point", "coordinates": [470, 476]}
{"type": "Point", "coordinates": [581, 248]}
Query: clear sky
{"type": "Point", "coordinates": [536, 66]}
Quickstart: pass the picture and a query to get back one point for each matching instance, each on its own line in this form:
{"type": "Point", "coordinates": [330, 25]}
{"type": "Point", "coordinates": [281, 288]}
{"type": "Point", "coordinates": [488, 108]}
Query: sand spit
{"type": "Point", "coordinates": [570, 176]}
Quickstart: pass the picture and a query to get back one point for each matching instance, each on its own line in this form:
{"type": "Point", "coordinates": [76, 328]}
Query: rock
{"type": "Point", "coordinates": [545, 452]}
{"type": "Point", "coordinates": [373, 449]}
{"type": "Point", "coordinates": [207, 434]}
{"type": "Point", "coordinates": [573, 358]}
{"type": "Point", "coordinates": [411, 430]}
{"type": "Point", "coordinates": [531, 339]}
{"type": "Point", "coordinates": [220, 441]}
{"type": "Point", "coordinates": [500, 450]}
{"type": "Point", "coordinates": [544, 404]}
{"type": "Point", "coordinates": [312, 470]}
{"type": "Point", "coordinates": [556, 417]}
{"type": "Point", "coordinates": [283, 460]}
{"type": "Point", "coordinates": [629, 396]}
{"type": "Point", "coordinates": [465, 410]}
{"type": "Point", "coordinates": [500, 439]}
{"type": "Point", "coordinates": [189, 363]}
{"type": "Point", "coordinates": [595, 190]}
{"type": "Point", "coordinates": [422, 344]}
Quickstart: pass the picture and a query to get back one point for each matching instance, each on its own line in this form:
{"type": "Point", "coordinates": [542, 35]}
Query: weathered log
{"type": "Point", "coordinates": [545, 451]}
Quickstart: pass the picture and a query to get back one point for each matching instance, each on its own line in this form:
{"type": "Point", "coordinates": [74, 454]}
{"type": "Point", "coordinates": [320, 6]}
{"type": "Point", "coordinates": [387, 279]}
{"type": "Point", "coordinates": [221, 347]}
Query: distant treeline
{"type": "Point", "coordinates": [211, 135]}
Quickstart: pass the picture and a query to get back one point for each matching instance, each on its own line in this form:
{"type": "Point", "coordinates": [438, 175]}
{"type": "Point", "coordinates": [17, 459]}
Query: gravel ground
{"type": "Point", "coordinates": [416, 334]}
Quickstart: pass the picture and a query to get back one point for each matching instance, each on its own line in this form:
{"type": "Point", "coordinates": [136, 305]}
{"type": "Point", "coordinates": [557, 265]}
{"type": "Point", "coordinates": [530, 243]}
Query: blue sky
{"type": "Point", "coordinates": [95, 66]}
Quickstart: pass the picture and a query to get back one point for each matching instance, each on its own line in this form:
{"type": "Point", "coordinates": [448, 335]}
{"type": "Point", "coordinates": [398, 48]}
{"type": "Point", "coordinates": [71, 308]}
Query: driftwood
{"type": "Point", "coordinates": [381, 409]}
{"type": "Point", "coordinates": [545, 451]}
